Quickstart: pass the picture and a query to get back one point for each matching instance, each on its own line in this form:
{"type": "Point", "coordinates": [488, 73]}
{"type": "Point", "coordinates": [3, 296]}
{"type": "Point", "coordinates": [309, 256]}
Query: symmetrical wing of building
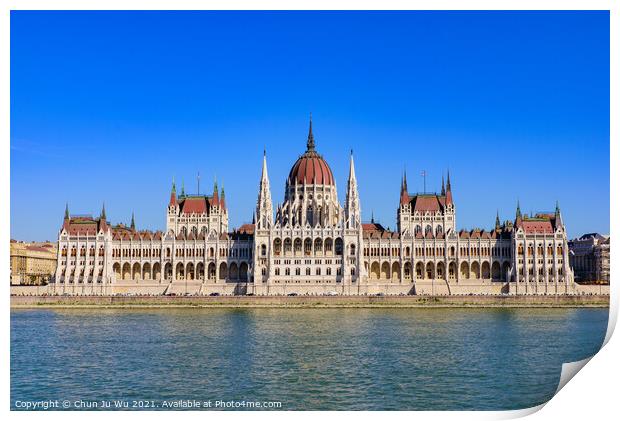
{"type": "Point", "coordinates": [311, 244]}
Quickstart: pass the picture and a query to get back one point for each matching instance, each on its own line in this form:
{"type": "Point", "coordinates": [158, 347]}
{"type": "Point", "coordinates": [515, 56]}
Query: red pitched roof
{"type": "Point", "coordinates": [246, 229]}
{"type": "Point", "coordinates": [38, 248]}
{"type": "Point", "coordinates": [194, 205]}
{"type": "Point", "coordinates": [372, 227]}
{"type": "Point", "coordinates": [427, 203]}
{"type": "Point", "coordinates": [538, 227]}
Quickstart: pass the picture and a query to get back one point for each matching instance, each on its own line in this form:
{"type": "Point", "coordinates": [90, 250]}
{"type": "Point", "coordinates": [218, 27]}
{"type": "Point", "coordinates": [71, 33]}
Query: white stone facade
{"type": "Point", "coordinates": [310, 244]}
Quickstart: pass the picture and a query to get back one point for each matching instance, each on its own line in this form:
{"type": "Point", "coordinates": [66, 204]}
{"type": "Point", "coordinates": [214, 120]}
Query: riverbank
{"type": "Point", "coordinates": [456, 301]}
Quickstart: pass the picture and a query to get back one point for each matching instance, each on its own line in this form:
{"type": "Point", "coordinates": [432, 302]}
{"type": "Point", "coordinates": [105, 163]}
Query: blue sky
{"type": "Point", "coordinates": [110, 106]}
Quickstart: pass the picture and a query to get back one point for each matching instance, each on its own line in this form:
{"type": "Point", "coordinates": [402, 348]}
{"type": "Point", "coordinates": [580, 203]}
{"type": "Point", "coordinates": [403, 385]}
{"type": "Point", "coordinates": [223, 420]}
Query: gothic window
{"type": "Point", "coordinates": [277, 246]}
{"type": "Point", "coordinates": [338, 246]}
{"type": "Point", "coordinates": [297, 245]}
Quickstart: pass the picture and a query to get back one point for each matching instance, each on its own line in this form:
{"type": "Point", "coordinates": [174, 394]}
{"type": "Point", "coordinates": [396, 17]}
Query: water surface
{"type": "Point", "coordinates": [356, 359]}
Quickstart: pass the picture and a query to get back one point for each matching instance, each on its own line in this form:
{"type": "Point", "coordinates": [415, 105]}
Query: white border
{"type": "Point", "coordinates": [591, 395]}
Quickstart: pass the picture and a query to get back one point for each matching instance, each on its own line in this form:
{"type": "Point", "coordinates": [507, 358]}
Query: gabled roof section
{"type": "Point", "coordinates": [427, 203]}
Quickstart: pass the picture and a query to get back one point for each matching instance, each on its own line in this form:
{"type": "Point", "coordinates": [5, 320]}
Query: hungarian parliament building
{"type": "Point", "coordinates": [311, 244]}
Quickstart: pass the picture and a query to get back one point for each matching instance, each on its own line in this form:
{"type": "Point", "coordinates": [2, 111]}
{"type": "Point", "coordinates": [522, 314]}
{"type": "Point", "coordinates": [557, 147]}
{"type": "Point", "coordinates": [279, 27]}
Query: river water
{"type": "Point", "coordinates": [305, 359]}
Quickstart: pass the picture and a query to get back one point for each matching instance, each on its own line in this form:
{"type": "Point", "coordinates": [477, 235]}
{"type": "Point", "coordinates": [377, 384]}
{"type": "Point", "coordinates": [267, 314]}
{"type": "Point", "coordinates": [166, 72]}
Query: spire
{"type": "Point", "coordinates": [133, 222]}
{"type": "Point", "coordinates": [216, 198]}
{"type": "Point", "coordinates": [404, 194]}
{"type": "Point", "coordinates": [67, 211]}
{"type": "Point", "coordinates": [558, 215]}
{"type": "Point", "coordinates": [448, 190]}
{"type": "Point", "coordinates": [173, 194]}
{"type": "Point", "coordinates": [443, 187]}
{"type": "Point", "coordinates": [497, 224]}
{"type": "Point", "coordinates": [264, 206]}
{"type": "Point", "coordinates": [103, 217]}
{"type": "Point", "coordinates": [183, 188]}
{"type": "Point", "coordinates": [372, 217]}
{"type": "Point", "coordinates": [223, 198]}
{"type": "Point", "coordinates": [352, 205]}
{"type": "Point", "coordinates": [310, 143]}
{"type": "Point", "coordinates": [518, 209]}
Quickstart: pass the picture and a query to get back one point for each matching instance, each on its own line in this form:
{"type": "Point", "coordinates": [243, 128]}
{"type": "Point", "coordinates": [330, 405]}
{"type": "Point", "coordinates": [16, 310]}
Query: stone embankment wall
{"type": "Point", "coordinates": [198, 288]}
{"type": "Point", "coordinates": [315, 301]}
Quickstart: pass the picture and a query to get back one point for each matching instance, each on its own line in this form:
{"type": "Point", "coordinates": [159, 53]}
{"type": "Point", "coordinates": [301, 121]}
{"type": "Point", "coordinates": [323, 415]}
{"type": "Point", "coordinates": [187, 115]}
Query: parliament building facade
{"type": "Point", "coordinates": [311, 244]}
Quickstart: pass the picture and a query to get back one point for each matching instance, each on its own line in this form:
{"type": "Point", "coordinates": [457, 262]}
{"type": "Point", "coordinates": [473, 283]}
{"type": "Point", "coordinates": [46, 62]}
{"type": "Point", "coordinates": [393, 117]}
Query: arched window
{"type": "Point", "coordinates": [263, 250]}
{"type": "Point", "coordinates": [338, 247]}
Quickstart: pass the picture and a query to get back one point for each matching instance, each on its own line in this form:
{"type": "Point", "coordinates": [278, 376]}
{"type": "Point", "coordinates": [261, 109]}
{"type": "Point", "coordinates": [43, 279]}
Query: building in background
{"type": "Point", "coordinates": [311, 244]}
{"type": "Point", "coordinates": [32, 263]}
{"type": "Point", "coordinates": [589, 257]}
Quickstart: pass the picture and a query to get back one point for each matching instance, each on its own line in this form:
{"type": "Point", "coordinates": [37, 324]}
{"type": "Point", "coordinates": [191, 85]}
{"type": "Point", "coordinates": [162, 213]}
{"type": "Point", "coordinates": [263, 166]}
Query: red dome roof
{"type": "Point", "coordinates": [311, 168]}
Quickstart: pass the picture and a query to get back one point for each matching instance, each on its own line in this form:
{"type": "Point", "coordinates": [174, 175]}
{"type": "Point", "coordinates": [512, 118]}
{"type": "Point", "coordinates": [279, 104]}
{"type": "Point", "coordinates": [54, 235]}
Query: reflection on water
{"type": "Point", "coordinates": [306, 358]}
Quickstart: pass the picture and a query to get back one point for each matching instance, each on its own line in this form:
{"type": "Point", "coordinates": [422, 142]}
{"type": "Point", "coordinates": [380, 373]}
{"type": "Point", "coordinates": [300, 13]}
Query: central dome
{"type": "Point", "coordinates": [311, 168]}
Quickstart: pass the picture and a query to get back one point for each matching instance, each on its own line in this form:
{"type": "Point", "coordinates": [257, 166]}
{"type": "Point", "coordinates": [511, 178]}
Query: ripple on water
{"type": "Point", "coordinates": [306, 358]}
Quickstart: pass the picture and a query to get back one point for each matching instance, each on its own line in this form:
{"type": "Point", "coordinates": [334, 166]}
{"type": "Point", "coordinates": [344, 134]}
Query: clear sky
{"type": "Point", "coordinates": [110, 106]}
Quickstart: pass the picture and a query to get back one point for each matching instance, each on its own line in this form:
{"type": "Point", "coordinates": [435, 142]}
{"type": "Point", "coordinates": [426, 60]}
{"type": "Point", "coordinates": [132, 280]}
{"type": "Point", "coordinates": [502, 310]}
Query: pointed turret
{"type": "Point", "coordinates": [264, 206]}
{"type": "Point", "coordinates": [352, 211]}
{"type": "Point", "coordinates": [133, 222]}
{"type": "Point", "coordinates": [223, 198]}
{"type": "Point", "coordinates": [173, 194]}
{"type": "Point", "coordinates": [216, 195]}
{"type": "Point", "coordinates": [67, 210]}
{"type": "Point", "coordinates": [183, 188]}
{"type": "Point", "coordinates": [558, 215]}
{"type": "Point", "coordinates": [310, 142]}
{"type": "Point", "coordinates": [404, 194]}
{"type": "Point", "coordinates": [448, 191]}
{"type": "Point", "coordinates": [518, 216]}
{"type": "Point", "coordinates": [497, 223]}
{"type": "Point", "coordinates": [443, 187]}
{"type": "Point", "coordinates": [102, 216]}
